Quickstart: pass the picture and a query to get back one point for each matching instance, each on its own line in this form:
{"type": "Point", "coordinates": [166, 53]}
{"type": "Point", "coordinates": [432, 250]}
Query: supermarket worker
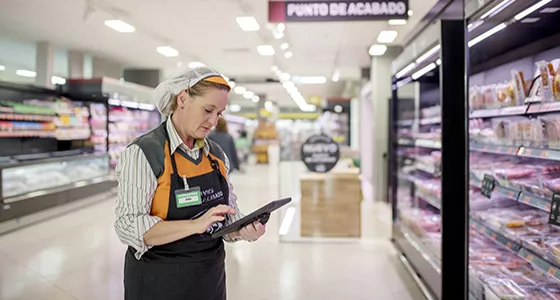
{"type": "Point", "coordinates": [173, 192]}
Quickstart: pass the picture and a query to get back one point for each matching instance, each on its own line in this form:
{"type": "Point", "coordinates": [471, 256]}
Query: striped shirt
{"type": "Point", "coordinates": [137, 185]}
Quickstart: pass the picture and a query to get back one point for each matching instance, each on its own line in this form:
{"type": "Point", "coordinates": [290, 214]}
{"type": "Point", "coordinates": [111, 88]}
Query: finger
{"type": "Point", "coordinates": [217, 218]}
{"type": "Point", "coordinates": [222, 210]}
{"type": "Point", "coordinates": [251, 232]}
{"type": "Point", "coordinates": [246, 234]}
{"type": "Point", "coordinates": [261, 229]}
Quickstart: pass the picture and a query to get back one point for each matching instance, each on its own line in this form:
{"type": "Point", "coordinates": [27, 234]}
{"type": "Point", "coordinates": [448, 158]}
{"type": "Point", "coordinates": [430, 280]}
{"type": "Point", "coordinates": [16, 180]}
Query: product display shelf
{"type": "Point", "coordinates": [521, 151]}
{"type": "Point", "coordinates": [423, 143]}
{"type": "Point", "coordinates": [538, 262]}
{"type": "Point", "coordinates": [430, 199]}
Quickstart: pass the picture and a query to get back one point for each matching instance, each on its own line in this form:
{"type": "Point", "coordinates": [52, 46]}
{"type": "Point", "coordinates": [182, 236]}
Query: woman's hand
{"type": "Point", "coordinates": [251, 232]}
{"type": "Point", "coordinates": [213, 215]}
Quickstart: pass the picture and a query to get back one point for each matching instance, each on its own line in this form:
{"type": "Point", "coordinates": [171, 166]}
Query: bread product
{"type": "Point", "coordinates": [556, 85]}
{"type": "Point", "coordinates": [546, 84]}
{"type": "Point", "coordinates": [518, 84]}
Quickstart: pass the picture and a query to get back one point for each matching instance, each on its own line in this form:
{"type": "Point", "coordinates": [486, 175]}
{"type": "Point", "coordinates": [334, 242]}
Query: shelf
{"type": "Point", "coordinates": [28, 134]}
{"type": "Point", "coordinates": [535, 201]}
{"type": "Point", "coordinates": [430, 121]}
{"type": "Point", "coordinates": [430, 199]}
{"type": "Point", "coordinates": [494, 149]}
{"type": "Point", "coordinates": [521, 151]}
{"type": "Point", "coordinates": [424, 143]}
{"type": "Point", "coordinates": [529, 109]}
{"type": "Point", "coordinates": [32, 118]}
{"type": "Point", "coordinates": [537, 261]}
{"type": "Point", "coordinates": [551, 154]}
{"type": "Point", "coordinates": [540, 263]}
{"type": "Point", "coordinates": [511, 193]}
{"type": "Point", "coordinates": [495, 236]}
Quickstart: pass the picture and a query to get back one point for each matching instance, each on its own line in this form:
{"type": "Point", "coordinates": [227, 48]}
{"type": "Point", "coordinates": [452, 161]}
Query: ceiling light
{"type": "Point", "coordinates": [239, 90]}
{"type": "Point", "coordinates": [312, 79]}
{"type": "Point", "coordinates": [235, 107]}
{"type": "Point", "coordinates": [397, 22]}
{"type": "Point", "coordinates": [531, 9]}
{"type": "Point", "coordinates": [269, 106]}
{"type": "Point", "coordinates": [387, 36]}
{"type": "Point", "coordinates": [410, 12]}
{"type": "Point", "coordinates": [336, 75]}
{"type": "Point", "coordinates": [58, 80]}
{"type": "Point", "coordinates": [248, 23]}
{"type": "Point", "coordinates": [2, 68]}
{"type": "Point", "coordinates": [285, 76]}
{"type": "Point", "coordinates": [475, 25]}
{"type": "Point", "coordinates": [423, 71]}
{"type": "Point", "coordinates": [281, 27]}
{"type": "Point", "coordinates": [405, 70]}
{"type": "Point", "coordinates": [248, 95]}
{"type": "Point", "coordinates": [278, 35]}
{"type": "Point", "coordinates": [167, 51]}
{"type": "Point", "coordinates": [288, 54]}
{"type": "Point", "coordinates": [278, 73]}
{"type": "Point", "coordinates": [284, 46]}
{"type": "Point", "coordinates": [256, 98]}
{"type": "Point", "coordinates": [308, 108]}
{"type": "Point", "coordinates": [438, 62]}
{"type": "Point", "coordinates": [265, 50]}
{"type": "Point", "coordinates": [196, 64]}
{"type": "Point", "coordinates": [428, 54]}
{"type": "Point", "coordinates": [496, 9]}
{"type": "Point", "coordinates": [274, 68]}
{"type": "Point", "coordinates": [338, 108]}
{"type": "Point", "coordinates": [288, 84]}
{"type": "Point", "coordinates": [26, 73]}
{"type": "Point", "coordinates": [120, 26]}
{"type": "Point", "coordinates": [377, 50]}
{"type": "Point", "coordinates": [292, 90]}
{"type": "Point", "coordinates": [487, 34]}
{"type": "Point", "coordinates": [231, 84]}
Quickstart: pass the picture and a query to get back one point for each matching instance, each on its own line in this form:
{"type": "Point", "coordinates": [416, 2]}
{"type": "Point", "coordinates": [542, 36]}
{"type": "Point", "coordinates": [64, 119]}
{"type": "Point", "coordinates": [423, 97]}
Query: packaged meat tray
{"type": "Point", "coordinates": [535, 244]}
{"type": "Point", "coordinates": [503, 289]}
{"type": "Point", "coordinates": [553, 291]}
{"type": "Point", "coordinates": [536, 293]}
{"type": "Point", "coordinates": [553, 248]}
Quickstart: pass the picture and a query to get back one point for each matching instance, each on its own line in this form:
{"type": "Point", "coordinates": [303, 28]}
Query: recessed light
{"type": "Point", "coordinates": [377, 50]}
{"type": "Point", "coordinates": [248, 95]}
{"type": "Point", "coordinates": [281, 27]}
{"type": "Point", "coordinates": [288, 84]}
{"type": "Point", "coordinates": [387, 36]}
{"type": "Point", "coordinates": [256, 98]}
{"type": "Point", "coordinates": [288, 54]}
{"type": "Point", "coordinates": [397, 22]}
{"type": "Point", "coordinates": [278, 72]}
{"type": "Point", "coordinates": [284, 46]}
{"type": "Point", "coordinates": [26, 73]}
{"type": "Point", "coordinates": [530, 20]}
{"type": "Point", "coordinates": [278, 34]}
{"type": "Point", "coordinates": [248, 23]}
{"type": "Point", "coordinates": [2, 68]}
{"type": "Point", "coordinates": [196, 64]}
{"type": "Point", "coordinates": [58, 80]}
{"type": "Point", "coordinates": [274, 68]}
{"type": "Point", "coordinates": [265, 50]}
{"type": "Point", "coordinates": [438, 62]}
{"type": "Point", "coordinates": [550, 10]}
{"type": "Point", "coordinates": [167, 51]}
{"type": "Point", "coordinates": [410, 12]}
{"type": "Point", "coordinates": [120, 26]}
{"type": "Point", "coordinates": [235, 107]}
{"type": "Point", "coordinates": [311, 79]}
{"type": "Point", "coordinates": [338, 108]}
{"type": "Point", "coordinates": [239, 90]}
{"type": "Point", "coordinates": [336, 75]}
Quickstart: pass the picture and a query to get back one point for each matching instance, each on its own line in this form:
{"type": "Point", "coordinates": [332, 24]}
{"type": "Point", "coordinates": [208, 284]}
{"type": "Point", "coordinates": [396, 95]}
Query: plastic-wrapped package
{"type": "Point", "coordinates": [503, 289]}
{"type": "Point", "coordinates": [553, 291]}
{"type": "Point", "coordinates": [536, 293]}
{"type": "Point", "coordinates": [551, 130]}
{"type": "Point", "coordinates": [546, 84]}
{"type": "Point", "coordinates": [518, 84]}
{"type": "Point", "coordinates": [489, 92]}
{"type": "Point", "coordinates": [553, 248]}
{"type": "Point", "coordinates": [535, 244]}
{"type": "Point", "coordinates": [476, 98]}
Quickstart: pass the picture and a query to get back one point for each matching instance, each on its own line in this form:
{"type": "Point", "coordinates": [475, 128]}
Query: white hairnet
{"type": "Point", "coordinates": [166, 90]}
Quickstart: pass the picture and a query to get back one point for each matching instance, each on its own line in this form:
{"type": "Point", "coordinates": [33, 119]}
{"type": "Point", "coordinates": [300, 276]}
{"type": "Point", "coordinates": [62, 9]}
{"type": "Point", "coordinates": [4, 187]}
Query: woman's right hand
{"type": "Point", "coordinates": [215, 214]}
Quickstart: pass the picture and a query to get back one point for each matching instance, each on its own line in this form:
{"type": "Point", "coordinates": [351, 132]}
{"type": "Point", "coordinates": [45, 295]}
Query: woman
{"type": "Point", "coordinates": [173, 193]}
{"type": "Point", "coordinates": [222, 137]}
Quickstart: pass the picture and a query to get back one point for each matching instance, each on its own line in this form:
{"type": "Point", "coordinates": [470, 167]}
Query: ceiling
{"type": "Point", "coordinates": [204, 31]}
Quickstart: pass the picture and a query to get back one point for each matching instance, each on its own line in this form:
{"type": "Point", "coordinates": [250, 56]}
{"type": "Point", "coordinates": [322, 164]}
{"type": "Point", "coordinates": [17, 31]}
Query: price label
{"type": "Point", "coordinates": [509, 245]}
{"type": "Point", "coordinates": [552, 271]}
{"type": "Point", "coordinates": [554, 216]}
{"type": "Point", "coordinates": [529, 257]}
{"type": "Point", "coordinates": [488, 185]}
{"type": "Point", "coordinates": [494, 236]}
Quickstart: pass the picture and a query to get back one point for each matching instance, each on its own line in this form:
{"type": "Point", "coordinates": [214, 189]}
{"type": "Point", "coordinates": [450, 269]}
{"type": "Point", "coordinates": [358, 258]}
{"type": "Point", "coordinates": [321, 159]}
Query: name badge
{"type": "Point", "coordinates": [188, 197]}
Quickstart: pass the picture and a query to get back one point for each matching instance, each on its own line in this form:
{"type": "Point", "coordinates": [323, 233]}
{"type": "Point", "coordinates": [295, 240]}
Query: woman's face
{"type": "Point", "coordinates": [199, 115]}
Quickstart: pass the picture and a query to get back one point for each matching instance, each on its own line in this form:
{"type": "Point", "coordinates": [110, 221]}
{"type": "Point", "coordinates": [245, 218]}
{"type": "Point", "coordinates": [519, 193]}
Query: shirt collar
{"type": "Point", "coordinates": [175, 140]}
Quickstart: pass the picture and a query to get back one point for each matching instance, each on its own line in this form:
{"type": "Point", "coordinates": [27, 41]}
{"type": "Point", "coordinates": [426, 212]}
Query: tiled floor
{"type": "Point", "coordinates": [78, 256]}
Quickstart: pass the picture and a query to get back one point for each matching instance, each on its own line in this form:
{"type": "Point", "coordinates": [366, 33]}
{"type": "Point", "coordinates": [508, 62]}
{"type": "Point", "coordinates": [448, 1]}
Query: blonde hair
{"type": "Point", "coordinates": [222, 125]}
{"type": "Point", "coordinates": [200, 89]}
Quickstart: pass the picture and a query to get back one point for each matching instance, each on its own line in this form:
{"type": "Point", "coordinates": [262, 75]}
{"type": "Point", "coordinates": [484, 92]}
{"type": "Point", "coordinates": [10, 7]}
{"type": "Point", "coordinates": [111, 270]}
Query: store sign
{"type": "Point", "coordinates": [320, 153]}
{"type": "Point", "coordinates": [488, 185]}
{"type": "Point", "coordinates": [341, 10]}
{"type": "Point", "coordinates": [554, 217]}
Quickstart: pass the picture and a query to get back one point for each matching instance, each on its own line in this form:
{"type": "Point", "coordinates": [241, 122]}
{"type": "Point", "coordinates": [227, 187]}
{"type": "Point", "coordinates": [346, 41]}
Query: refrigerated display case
{"type": "Point", "coordinates": [427, 183]}
{"type": "Point", "coordinates": [514, 99]}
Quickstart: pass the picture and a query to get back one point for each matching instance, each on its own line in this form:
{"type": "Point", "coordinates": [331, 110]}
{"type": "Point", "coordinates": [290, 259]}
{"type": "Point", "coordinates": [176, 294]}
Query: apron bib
{"type": "Point", "coordinates": [191, 268]}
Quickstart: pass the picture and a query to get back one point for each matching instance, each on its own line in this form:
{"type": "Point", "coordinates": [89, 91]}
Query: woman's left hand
{"type": "Point", "coordinates": [252, 232]}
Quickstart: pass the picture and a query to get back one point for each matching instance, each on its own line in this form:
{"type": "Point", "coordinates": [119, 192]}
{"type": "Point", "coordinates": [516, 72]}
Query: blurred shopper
{"type": "Point", "coordinates": [222, 137]}
{"type": "Point", "coordinates": [174, 192]}
{"type": "Point", "coordinates": [243, 146]}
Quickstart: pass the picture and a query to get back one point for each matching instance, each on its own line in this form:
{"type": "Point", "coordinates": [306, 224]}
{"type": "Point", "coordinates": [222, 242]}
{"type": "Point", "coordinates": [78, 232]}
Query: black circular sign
{"type": "Point", "coordinates": [320, 153]}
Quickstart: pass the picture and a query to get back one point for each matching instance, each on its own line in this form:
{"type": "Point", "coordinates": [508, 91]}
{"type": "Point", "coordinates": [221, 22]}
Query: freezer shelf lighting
{"type": "Point", "coordinates": [423, 71]}
{"type": "Point", "coordinates": [496, 9]}
{"type": "Point", "coordinates": [531, 9]}
{"type": "Point", "coordinates": [487, 34]}
{"type": "Point", "coordinates": [428, 54]}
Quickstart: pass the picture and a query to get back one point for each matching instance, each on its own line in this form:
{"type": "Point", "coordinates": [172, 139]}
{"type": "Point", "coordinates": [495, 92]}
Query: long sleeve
{"type": "Point", "coordinates": [136, 188]}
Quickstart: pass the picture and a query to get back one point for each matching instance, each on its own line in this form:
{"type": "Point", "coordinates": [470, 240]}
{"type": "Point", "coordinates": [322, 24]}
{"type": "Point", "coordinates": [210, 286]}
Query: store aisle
{"type": "Point", "coordinates": [78, 256]}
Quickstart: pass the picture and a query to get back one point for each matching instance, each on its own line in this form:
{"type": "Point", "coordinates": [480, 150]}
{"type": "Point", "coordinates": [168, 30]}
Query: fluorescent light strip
{"type": "Point", "coordinates": [248, 23]}
{"type": "Point", "coordinates": [496, 9]}
{"type": "Point", "coordinates": [312, 79]}
{"type": "Point", "coordinates": [377, 50]}
{"type": "Point", "coordinates": [58, 80]}
{"type": "Point", "coordinates": [265, 50]}
{"type": "Point", "coordinates": [397, 22]}
{"type": "Point", "coordinates": [423, 71]}
{"type": "Point", "coordinates": [2, 68]}
{"type": "Point", "coordinates": [531, 9]}
{"type": "Point", "coordinates": [196, 64]}
{"type": "Point", "coordinates": [26, 73]}
{"type": "Point", "coordinates": [167, 51]}
{"type": "Point", "coordinates": [428, 54]}
{"type": "Point", "coordinates": [120, 26]}
{"type": "Point", "coordinates": [405, 70]}
{"type": "Point", "coordinates": [248, 95]}
{"type": "Point", "coordinates": [387, 36]}
{"type": "Point", "coordinates": [487, 34]}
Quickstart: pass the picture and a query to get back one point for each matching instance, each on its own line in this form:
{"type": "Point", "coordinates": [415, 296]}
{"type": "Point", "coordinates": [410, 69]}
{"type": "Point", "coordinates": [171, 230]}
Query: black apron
{"type": "Point", "coordinates": [188, 269]}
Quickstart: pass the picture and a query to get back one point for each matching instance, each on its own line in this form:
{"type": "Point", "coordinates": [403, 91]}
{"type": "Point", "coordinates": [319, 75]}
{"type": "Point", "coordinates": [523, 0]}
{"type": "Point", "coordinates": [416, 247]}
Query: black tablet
{"type": "Point", "coordinates": [262, 214]}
